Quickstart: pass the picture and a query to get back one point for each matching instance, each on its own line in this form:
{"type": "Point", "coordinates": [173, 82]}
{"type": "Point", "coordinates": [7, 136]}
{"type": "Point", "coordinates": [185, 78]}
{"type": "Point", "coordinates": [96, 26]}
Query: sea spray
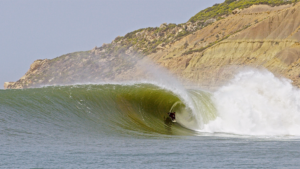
{"type": "Point", "coordinates": [150, 73]}
{"type": "Point", "coordinates": [159, 76]}
{"type": "Point", "coordinates": [255, 102]}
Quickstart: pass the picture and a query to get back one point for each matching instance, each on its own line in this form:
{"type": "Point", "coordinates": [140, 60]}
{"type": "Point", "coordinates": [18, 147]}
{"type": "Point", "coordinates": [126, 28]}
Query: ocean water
{"type": "Point", "coordinates": [250, 122]}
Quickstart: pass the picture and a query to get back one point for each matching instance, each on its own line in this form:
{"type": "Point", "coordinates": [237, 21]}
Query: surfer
{"type": "Point", "coordinates": [172, 116]}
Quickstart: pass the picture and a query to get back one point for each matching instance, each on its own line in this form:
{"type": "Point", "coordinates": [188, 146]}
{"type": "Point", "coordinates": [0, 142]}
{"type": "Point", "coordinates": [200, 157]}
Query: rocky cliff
{"type": "Point", "coordinates": [205, 52]}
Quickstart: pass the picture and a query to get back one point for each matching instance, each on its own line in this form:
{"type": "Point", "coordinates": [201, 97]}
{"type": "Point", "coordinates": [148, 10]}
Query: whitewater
{"type": "Point", "coordinates": [257, 103]}
{"type": "Point", "coordinates": [248, 122]}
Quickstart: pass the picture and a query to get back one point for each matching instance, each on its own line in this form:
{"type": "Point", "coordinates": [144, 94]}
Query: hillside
{"type": "Point", "coordinates": [224, 9]}
{"type": "Point", "coordinates": [206, 50]}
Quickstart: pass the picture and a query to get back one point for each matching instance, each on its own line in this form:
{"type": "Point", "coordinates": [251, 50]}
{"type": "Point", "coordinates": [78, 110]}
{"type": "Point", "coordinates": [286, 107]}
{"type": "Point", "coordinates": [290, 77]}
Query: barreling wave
{"type": "Point", "coordinates": [253, 103]}
{"type": "Point", "coordinates": [139, 107]}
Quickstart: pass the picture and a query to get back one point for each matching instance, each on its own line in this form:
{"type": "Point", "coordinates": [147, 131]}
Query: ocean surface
{"type": "Point", "coordinates": [253, 121]}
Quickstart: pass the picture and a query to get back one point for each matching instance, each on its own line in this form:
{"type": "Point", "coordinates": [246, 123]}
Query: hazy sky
{"type": "Point", "coordinates": [39, 29]}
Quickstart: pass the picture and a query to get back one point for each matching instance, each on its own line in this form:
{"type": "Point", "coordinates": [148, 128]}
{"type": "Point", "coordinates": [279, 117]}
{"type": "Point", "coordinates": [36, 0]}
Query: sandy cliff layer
{"type": "Point", "coordinates": [260, 36]}
{"type": "Point", "coordinates": [267, 39]}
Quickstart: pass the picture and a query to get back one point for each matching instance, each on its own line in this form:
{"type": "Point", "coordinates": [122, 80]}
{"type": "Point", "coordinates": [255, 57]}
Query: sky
{"type": "Point", "coordinates": [40, 29]}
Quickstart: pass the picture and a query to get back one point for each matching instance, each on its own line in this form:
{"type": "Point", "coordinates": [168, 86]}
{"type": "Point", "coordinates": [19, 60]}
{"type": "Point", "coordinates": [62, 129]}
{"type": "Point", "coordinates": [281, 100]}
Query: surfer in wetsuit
{"type": "Point", "coordinates": [168, 123]}
{"type": "Point", "coordinates": [172, 115]}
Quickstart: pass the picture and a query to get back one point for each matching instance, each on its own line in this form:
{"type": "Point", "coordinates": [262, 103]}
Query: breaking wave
{"type": "Point", "coordinates": [257, 103]}
{"type": "Point", "coordinates": [253, 103]}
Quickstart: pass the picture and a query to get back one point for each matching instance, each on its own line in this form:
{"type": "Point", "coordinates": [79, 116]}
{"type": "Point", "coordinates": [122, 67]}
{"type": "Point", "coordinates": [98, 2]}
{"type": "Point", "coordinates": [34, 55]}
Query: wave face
{"type": "Point", "coordinates": [109, 108]}
{"type": "Point", "coordinates": [253, 103]}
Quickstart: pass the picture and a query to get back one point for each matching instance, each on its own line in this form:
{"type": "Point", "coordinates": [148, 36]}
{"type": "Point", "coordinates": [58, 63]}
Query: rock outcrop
{"type": "Point", "coordinates": [7, 85]}
{"type": "Point", "coordinates": [206, 52]}
{"type": "Point", "coordinates": [26, 81]}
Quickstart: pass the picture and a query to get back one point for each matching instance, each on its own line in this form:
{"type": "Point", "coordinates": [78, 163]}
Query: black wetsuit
{"type": "Point", "coordinates": [172, 115]}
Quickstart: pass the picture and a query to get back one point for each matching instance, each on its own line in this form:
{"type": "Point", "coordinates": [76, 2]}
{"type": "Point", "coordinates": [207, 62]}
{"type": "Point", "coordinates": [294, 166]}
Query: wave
{"type": "Point", "coordinates": [254, 102]}
{"type": "Point", "coordinates": [140, 107]}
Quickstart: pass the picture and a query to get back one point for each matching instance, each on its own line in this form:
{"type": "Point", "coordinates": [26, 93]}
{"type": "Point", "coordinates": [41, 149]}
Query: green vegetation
{"type": "Point", "coordinates": [182, 34]}
{"type": "Point", "coordinates": [226, 8]}
{"type": "Point", "coordinates": [160, 35]}
{"type": "Point", "coordinates": [132, 34]}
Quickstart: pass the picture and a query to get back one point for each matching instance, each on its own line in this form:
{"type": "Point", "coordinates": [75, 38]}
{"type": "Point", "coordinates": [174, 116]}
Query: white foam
{"type": "Point", "coordinates": [256, 102]}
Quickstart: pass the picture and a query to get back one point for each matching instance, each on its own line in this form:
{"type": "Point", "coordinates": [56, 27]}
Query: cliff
{"type": "Point", "coordinates": [207, 50]}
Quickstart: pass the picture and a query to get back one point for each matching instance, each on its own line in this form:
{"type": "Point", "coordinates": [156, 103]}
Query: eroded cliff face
{"type": "Point", "coordinates": [268, 39]}
{"type": "Point", "coordinates": [260, 36]}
